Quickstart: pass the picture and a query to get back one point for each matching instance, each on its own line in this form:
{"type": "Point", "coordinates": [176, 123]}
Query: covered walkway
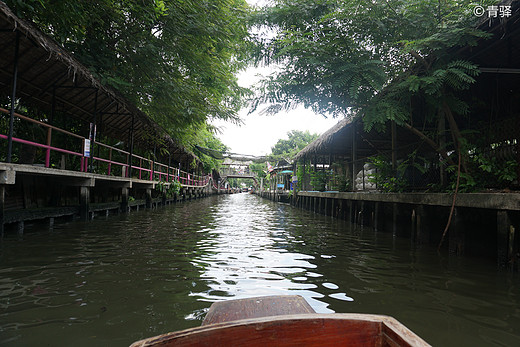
{"type": "Point", "coordinates": [69, 143]}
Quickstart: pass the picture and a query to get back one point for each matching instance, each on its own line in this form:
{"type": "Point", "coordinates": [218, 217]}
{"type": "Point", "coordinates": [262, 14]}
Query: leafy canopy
{"type": "Point", "coordinates": [176, 60]}
{"type": "Point", "coordinates": [366, 58]}
{"type": "Point", "coordinates": [295, 142]}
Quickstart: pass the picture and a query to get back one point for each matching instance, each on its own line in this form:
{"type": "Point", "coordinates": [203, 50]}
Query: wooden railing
{"type": "Point", "coordinates": [147, 169]}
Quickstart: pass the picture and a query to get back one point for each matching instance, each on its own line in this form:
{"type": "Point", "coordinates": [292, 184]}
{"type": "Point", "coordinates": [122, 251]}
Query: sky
{"type": "Point", "coordinates": [259, 133]}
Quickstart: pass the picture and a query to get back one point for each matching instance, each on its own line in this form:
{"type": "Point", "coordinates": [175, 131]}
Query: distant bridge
{"type": "Point", "coordinates": [245, 172]}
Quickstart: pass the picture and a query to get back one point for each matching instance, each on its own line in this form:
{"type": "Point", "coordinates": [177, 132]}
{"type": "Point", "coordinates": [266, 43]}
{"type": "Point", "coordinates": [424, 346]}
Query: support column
{"type": "Point", "coordinates": [326, 206]}
{"type": "Point", "coordinates": [456, 231]}
{"type": "Point", "coordinates": [13, 99]}
{"type": "Point", "coordinates": [84, 202]}
{"type": "Point", "coordinates": [442, 145]}
{"type": "Point", "coordinates": [354, 157]}
{"type": "Point", "coordinates": [148, 197]}
{"type": "Point", "coordinates": [124, 199]}
{"type": "Point", "coordinates": [394, 218]}
{"type": "Point", "coordinates": [413, 224]}
{"type": "Point", "coordinates": [351, 219]}
{"type": "Point", "coordinates": [131, 149]}
{"type": "Point", "coordinates": [505, 239]}
{"type": "Point", "coordinates": [362, 214]}
{"type": "Point", "coordinates": [422, 226]}
{"type": "Point", "coordinates": [377, 213]}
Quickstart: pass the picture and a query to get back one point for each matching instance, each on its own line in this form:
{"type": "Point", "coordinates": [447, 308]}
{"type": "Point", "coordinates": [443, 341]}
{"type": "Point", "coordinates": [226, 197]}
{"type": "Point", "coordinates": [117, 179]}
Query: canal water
{"type": "Point", "coordinates": [111, 281]}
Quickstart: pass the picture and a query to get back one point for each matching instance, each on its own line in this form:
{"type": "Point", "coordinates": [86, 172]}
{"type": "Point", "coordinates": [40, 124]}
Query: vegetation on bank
{"type": "Point", "coordinates": [382, 62]}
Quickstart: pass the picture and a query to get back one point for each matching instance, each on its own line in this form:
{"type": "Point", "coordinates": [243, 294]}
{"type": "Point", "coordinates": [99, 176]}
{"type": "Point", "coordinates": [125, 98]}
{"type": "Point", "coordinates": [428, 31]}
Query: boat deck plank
{"type": "Point", "coordinates": [225, 311]}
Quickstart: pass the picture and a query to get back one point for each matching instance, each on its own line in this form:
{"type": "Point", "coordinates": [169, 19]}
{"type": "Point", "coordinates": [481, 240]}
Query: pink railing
{"type": "Point", "coordinates": [147, 169]}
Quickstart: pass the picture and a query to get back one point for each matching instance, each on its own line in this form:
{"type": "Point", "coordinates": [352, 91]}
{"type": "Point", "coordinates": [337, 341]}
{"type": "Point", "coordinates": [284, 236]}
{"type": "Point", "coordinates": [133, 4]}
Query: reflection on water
{"type": "Point", "coordinates": [116, 280]}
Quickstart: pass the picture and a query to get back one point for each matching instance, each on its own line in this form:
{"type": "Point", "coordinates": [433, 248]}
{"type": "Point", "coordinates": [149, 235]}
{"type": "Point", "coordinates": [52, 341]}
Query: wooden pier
{"type": "Point", "coordinates": [31, 193]}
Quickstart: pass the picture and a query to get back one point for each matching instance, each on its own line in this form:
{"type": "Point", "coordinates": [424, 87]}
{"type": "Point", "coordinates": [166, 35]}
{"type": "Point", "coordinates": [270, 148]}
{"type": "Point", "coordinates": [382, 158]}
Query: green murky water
{"type": "Point", "coordinates": [112, 281]}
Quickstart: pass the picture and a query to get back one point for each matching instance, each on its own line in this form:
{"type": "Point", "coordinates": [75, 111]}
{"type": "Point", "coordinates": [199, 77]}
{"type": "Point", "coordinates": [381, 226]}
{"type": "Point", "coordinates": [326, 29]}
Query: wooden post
{"type": "Point", "coordinates": [377, 213]}
{"type": "Point", "coordinates": [131, 135]}
{"type": "Point", "coordinates": [456, 231]}
{"type": "Point", "coordinates": [422, 226]}
{"type": "Point", "coordinates": [110, 161]}
{"type": "Point", "coordinates": [325, 206]}
{"type": "Point", "coordinates": [93, 135]}
{"type": "Point", "coordinates": [354, 157]}
{"type": "Point", "coordinates": [124, 199]}
{"type": "Point", "coordinates": [152, 172]}
{"type": "Point", "coordinates": [351, 212]}
{"type": "Point", "coordinates": [148, 197]}
{"type": "Point", "coordinates": [13, 99]}
{"type": "Point", "coordinates": [505, 238]}
{"type": "Point", "coordinates": [48, 152]}
{"type": "Point", "coordinates": [394, 218]}
{"type": "Point", "coordinates": [413, 224]}
{"type": "Point", "coordinates": [84, 202]}
{"type": "Point", "coordinates": [362, 214]}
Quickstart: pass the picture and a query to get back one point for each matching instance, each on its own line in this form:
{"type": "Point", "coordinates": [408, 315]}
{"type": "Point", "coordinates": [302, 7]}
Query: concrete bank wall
{"type": "Point", "coordinates": [482, 224]}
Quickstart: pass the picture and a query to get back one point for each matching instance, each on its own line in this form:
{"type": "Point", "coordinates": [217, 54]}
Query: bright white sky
{"type": "Point", "coordinates": [259, 133]}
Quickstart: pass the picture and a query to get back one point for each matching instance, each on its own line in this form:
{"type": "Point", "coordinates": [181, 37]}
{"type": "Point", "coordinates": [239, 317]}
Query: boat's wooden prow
{"type": "Point", "coordinates": [264, 306]}
{"type": "Point", "coordinates": [286, 321]}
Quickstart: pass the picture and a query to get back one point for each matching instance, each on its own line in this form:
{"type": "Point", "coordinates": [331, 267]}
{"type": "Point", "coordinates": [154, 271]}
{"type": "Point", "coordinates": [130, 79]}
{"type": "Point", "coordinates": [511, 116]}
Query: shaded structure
{"type": "Point", "coordinates": [45, 78]}
{"type": "Point", "coordinates": [388, 179]}
{"type": "Point", "coordinates": [70, 146]}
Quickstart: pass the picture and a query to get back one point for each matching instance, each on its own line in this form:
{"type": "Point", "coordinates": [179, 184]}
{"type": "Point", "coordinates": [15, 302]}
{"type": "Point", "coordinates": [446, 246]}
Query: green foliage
{"type": "Point", "coordinates": [340, 183]}
{"type": "Point", "coordinates": [303, 173]}
{"type": "Point", "coordinates": [176, 60]}
{"type": "Point", "coordinates": [169, 189]}
{"type": "Point", "coordinates": [320, 179]}
{"type": "Point", "coordinates": [259, 169]}
{"type": "Point", "coordinates": [386, 178]}
{"type": "Point", "coordinates": [287, 148]}
{"type": "Point", "coordinates": [202, 134]}
{"type": "Point", "coordinates": [485, 171]}
{"type": "Point", "coordinates": [368, 58]}
{"type": "Point", "coordinates": [389, 180]}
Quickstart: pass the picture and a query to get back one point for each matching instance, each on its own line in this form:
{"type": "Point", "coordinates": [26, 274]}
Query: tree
{"type": "Point", "coordinates": [370, 59]}
{"type": "Point", "coordinates": [296, 141]}
{"type": "Point", "coordinates": [202, 135]}
{"type": "Point", "coordinates": [176, 60]}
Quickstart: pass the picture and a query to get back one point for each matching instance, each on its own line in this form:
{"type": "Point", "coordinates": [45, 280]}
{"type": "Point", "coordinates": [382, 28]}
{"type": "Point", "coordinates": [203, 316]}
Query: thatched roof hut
{"type": "Point", "coordinates": [50, 78]}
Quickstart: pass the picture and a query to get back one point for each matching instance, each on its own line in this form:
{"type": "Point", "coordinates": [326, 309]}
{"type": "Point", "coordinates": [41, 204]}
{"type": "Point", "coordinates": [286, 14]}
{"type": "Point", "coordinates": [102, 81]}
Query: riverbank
{"type": "Point", "coordinates": [482, 224]}
{"type": "Point", "coordinates": [35, 193]}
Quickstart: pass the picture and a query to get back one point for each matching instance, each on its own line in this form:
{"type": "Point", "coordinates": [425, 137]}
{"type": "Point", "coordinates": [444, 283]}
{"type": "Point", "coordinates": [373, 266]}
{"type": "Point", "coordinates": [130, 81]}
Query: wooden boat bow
{"type": "Point", "coordinates": [301, 329]}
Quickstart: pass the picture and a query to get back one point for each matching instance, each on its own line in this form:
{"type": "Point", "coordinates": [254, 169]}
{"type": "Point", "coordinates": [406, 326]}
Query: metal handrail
{"type": "Point", "coordinates": [183, 177]}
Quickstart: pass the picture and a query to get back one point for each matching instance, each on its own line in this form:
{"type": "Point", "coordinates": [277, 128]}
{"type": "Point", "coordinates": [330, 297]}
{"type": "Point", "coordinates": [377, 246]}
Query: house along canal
{"type": "Point", "coordinates": [111, 281]}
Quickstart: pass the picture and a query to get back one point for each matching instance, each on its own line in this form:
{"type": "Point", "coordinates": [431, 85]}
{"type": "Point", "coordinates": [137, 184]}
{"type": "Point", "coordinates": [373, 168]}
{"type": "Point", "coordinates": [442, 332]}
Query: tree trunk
{"type": "Point", "coordinates": [430, 142]}
{"type": "Point", "coordinates": [457, 136]}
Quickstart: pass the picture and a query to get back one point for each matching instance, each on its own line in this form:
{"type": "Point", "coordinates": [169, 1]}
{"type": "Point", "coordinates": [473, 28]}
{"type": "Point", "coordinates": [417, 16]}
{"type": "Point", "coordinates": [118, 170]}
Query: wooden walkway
{"type": "Point", "coordinates": [29, 193]}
